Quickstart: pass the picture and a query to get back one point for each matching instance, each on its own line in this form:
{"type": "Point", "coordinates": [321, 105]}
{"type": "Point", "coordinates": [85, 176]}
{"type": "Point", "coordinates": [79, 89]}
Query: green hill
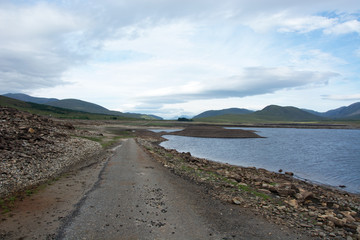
{"type": "Point", "coordinates": [78, 105]}
{"type": "Point", "coordinates": [270, 113]}
{"type": "Point", "coordinates": [350, 112]}
{"type": "Point", "coordinates": [292, 114]}
{"type": "Point", "coordinates": [27, 98]}
{"type": "Point", "coordinates": [227, 111]}
{"type": "Point", "coordinates": [57, 112]}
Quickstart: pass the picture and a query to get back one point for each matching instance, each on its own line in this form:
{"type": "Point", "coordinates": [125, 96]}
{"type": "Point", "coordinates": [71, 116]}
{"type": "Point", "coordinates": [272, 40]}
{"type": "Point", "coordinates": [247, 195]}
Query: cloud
{"type": "Point", "coordinates": [32, 47]}
{"type": "Point", "coordinates": [350, 97]}
{"type": "Point", "coordinates": [128, 53]}
{"type": "Point", "coordinates": [352, 26]}
{"type": "Point", "coordinates": [252, 81]}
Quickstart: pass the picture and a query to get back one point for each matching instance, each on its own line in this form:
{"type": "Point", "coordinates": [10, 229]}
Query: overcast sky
{"type": "Point", "coordinates": [182, 57]}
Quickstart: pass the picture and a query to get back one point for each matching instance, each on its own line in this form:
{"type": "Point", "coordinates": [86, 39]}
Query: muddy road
{"type": "Point", "coordinates": [137, 198]}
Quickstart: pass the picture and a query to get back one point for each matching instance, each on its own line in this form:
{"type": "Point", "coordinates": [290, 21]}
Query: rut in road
{"type": "Point", "coordinates": [137, 198]}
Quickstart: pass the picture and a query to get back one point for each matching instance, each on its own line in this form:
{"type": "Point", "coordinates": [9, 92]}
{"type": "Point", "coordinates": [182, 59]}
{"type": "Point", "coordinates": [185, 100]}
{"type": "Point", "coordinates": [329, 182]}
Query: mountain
{"type": "Point", "coordinates": [46, 110]}
{"type": "Point", "coordinates": [27, 98]}
{"type": "Point", "coordinates": [212, 113]}
{"type": "Point", "coordinates": [269, 113]}
{"type": "Point", "coordinates": [350, 112]}
{"type": "Point", "coordinates": [79, 105]}
{"type": "Point", "coordinates": [278, 113]}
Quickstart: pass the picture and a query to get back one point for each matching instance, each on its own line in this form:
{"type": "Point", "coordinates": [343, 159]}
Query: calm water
{"type": "Point", "coordinates": [328, 156]}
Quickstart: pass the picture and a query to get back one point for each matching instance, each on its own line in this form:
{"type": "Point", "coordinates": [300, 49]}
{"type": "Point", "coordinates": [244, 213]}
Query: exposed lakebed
{"type": "Point", "coordinates": [327, 156]}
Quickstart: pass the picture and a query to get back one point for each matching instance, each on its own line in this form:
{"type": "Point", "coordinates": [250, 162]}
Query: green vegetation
{"type": "Point", "coordinates": [183, 119]}
{"type": "Point", "coordinates": [57, 112]}
{"type": "Point", "coordinates": [275, 114]}
{"type": "Point", "coordinates": [213, 176]}
{"type": "Point", "coordinates": [7, 204]}
{"type": "Point", "coordinates": [108, 141]}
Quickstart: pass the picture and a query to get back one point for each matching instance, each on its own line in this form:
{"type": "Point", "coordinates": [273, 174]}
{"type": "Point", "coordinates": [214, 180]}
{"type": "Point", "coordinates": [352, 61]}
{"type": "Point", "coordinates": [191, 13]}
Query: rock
{"type": "Point", "coordinates": [292, 203]}
{"type": "Point", "coordinates": [289, 173]}
{"type": "Point", "coordinates": [284, 192]}
{"type": "Point", "coordinates": [280, 170]}
{"type": "Point", "coordinates": [338, 222]}
{"type": "Point", "coordinates": [264, 191]}
{"type": "Point", "coordinates": [237, 200]}
{"type": "Point", "coordinates": [348, 216]}
{"type": "Point", "coordinates": [304, 195]}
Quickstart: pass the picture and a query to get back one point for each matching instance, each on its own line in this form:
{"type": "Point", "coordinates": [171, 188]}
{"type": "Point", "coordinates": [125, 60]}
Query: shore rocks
{"type": "Point", "coordinates": [34, 149]}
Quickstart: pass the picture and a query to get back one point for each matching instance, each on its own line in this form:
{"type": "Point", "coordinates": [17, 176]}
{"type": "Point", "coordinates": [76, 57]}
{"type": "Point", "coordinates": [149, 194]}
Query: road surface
{"type": "Point", "coordinates": [137, 198]}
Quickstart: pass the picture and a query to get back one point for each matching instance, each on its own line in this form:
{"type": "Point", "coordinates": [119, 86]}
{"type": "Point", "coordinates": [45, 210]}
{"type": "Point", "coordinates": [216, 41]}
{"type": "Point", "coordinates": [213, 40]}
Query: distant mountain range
{"type": "Point", "coordinates": [278, 113]}
{"type": "Point", "coordinates": [78, 105]}
{"type": "Point", "coordinates": [352, 112]}
{"type": "Point", "coordinates": [269, 113]}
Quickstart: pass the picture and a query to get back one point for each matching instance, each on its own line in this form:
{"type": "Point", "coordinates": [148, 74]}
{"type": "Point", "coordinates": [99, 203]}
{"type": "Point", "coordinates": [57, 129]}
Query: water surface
{"type": "Point", "coordinates": [327, 156]}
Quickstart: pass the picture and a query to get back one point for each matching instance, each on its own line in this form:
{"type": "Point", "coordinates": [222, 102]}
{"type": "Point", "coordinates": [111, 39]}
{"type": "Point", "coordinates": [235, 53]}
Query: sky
{"type": "Point", "coordinates": [177, 58]}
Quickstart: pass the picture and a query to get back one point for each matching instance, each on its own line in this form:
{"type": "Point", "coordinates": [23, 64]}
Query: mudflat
{"type": "Point", "coordinates": [214, 132]}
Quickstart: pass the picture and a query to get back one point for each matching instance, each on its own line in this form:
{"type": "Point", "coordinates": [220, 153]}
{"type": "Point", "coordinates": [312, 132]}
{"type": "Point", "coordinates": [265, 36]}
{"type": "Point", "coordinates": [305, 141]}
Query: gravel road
{"type": "Point", "coordinates": [137, 198]}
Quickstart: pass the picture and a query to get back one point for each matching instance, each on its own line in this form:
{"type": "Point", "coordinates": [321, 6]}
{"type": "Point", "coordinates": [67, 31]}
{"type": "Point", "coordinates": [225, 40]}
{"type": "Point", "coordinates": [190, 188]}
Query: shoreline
{"type": "Point", "coordinates": [222, 132]}
{"type": "Point", "coordinates": [320, 209]}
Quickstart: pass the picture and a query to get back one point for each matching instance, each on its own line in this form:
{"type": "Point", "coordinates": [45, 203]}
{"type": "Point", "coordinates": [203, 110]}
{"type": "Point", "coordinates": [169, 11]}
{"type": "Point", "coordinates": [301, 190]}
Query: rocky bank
{"type": "Point", "coordinates": [34, 149]}
{"type": "Point", "coordinates": [324, 212]}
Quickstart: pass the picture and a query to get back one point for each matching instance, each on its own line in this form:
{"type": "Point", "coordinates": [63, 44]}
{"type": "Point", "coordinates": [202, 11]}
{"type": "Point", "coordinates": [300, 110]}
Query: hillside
{"type": "Point", "coordinates": [46, 110]}
{"type": "Point", "coordinates": [27, 98]}
{"type": "Point", "coordinates": [270, 113]}
{"type": "Point", "coordinates": [78, 105]}
{"type": "Point", "coordinates": [277, 113]}
{"type": "Point", "coordinates": [212, 113]}
{"type": "Point", "coordinates": [350, 112]}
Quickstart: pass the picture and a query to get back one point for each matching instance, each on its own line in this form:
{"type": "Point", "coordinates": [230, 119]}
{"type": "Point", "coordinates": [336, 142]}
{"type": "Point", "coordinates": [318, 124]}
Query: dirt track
{"type": "Point", "coordinates": [137, 198]}
{"type": "Point", "coordinates": [133, 197]}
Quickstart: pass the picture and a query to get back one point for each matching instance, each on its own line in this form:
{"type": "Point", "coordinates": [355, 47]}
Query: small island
{"type": "Point", "coordinates": [214, 132]}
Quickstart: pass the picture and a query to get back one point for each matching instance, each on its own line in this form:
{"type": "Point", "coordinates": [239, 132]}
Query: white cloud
{"type": "Point", "coordinates": [350, 97]}
{"type": "Point", "coordinates": [352, 26]}
{"type": "Point", "coordinates": [250, 82]}
{"type": "Point", "coordinates": [32, 51]}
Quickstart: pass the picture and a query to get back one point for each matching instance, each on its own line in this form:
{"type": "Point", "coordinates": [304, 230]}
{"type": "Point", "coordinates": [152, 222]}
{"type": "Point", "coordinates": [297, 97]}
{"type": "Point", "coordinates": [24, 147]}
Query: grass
{"type": "Point", "coordinates": [7, 204]}
{"type": "Point", "coordinates": [217, 177]}
{"type": "Point", "coordinates": [106, 141]}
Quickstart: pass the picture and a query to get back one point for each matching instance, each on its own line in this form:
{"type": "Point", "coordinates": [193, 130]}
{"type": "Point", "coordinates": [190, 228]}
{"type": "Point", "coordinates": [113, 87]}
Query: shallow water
{"type": "Point", "coordinates": [327, 156]}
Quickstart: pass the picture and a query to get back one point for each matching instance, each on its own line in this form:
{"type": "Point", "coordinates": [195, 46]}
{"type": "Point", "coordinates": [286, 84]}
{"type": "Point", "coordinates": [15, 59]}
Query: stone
{"type": "Point", "coordinates": [292, 203]}
{"type": "Point", "coordinates": [289, 173]}
{"type": "Point", "coordinates": [284, 192]}
{"type": "Point", "coordinates": [262, 190]}
{"type": "Point", "coordinates": [237, 200]}
{"type": "Point", "coordinates": [338, 222]}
